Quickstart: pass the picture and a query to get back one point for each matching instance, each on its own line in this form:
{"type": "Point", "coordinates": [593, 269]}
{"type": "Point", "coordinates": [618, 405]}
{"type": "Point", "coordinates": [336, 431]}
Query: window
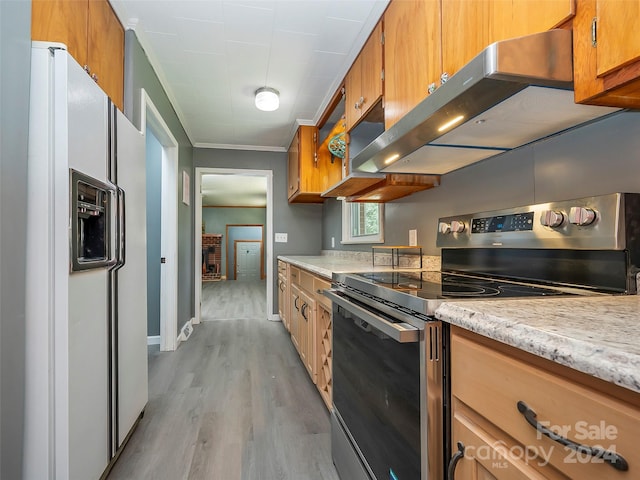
{"type": "Point", "coordinates": [362, 222]}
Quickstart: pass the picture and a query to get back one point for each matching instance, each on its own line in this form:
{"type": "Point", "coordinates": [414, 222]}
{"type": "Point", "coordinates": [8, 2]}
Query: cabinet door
{"type": "Point", "coordinates": [308, 338]}
{"type": "Point", "coordinates": [105, 50]}
{"type": "Point", "coordinates": [294, 321]}
{"type": "Point", "coordinates": [412, 54]}
{"type": "Point", "coordinates": [62, 21]}
{"type": "Point", "coordinates": [618, 37]}
{"type": "Point", "coordinates": [466, 30]}
{"type": "Point", "coordinates": [352, 89]}
{"type": "Point", "coordinates": [294, 166]}
{"type": "Point", "coordinates": [371, 70]}
{"type": "Point", "coordinates": [485, 457]}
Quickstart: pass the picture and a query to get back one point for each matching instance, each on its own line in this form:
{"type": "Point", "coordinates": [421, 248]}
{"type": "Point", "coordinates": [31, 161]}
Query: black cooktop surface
{"type": "Point", "coordinates": [438, 285]}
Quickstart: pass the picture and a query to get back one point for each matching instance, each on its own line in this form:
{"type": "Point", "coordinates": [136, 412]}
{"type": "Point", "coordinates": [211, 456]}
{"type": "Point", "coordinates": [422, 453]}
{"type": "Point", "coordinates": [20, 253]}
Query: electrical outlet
{"type": "Point", "coordinates": [333, 242]}
{"type": "Point", "coordinates": [281, 237]}
{"type": "Point", "coordinates": [413, 238]}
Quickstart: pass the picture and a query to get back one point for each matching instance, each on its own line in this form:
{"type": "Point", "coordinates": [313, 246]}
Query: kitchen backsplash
{"type": "Point", "coordinates": [429, 262]}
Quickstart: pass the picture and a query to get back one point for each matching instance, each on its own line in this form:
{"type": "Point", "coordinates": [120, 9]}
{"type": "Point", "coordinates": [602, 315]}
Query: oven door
{"type": "Point", "coordinates": [376, 393]}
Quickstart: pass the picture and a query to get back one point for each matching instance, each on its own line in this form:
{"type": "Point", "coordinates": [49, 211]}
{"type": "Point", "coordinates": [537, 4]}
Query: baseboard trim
{"type": "Point", "coordinates": [274, 317]}
{"type": "Point", "coordinates": [153, 340]}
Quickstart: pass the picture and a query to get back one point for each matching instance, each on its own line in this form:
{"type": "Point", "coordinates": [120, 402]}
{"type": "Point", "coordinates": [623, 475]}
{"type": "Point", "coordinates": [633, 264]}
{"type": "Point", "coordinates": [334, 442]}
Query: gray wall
{"type": "Point", "coordinates": [600, 158]}
{"type": "Point", "coordinates": [154, 230]}
{"type": "Point", "coordinates": [138, 75]}
{"type": "Point", "coordinates": [15, 69]}
{"type": "Point", "coordinates": [216, 219]}
{"type": "Point", "coordinates": [303, 223]}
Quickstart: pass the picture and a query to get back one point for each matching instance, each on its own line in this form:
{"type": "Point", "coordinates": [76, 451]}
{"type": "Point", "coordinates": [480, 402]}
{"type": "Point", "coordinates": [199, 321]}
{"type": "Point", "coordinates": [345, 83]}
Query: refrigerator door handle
{"type": "Point", "coordinates": [120, 232]}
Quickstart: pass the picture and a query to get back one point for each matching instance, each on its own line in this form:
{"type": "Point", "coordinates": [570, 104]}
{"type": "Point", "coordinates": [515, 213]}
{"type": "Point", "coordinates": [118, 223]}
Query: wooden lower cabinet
{"type": "Point", "coordinates": [294, 321]}
{"type": "Point", "coordinates": [499, 391]}
{"type": "Point", "coordinates": [310, 325]}
{"type": "Point", "coordinates": [324, 353]}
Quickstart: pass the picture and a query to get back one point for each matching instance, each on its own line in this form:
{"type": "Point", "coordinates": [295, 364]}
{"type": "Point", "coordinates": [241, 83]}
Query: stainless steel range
{"type": "Point", "coordinates": [390, 355]}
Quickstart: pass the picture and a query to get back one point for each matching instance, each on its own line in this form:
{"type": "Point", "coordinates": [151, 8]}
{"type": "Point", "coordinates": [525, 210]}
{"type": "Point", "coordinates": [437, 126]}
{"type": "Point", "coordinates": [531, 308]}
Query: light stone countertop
{"type": "Point", "coordinates": [325, 265]}
{"type": "Point", "coordinates": [597, 335]}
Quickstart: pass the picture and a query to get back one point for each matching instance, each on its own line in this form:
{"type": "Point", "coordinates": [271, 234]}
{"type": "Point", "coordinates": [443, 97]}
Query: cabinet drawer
{"type": "Point", "coordinates": [294, 272]}
{"type": "Point", "coordinates": [492, 383]}
{"type": "Point", "coordinates": [306, 281]}
{"type": "Point", "coordinates": [282, 267]}
{"type": "Point", "coordinates": [319, 285]}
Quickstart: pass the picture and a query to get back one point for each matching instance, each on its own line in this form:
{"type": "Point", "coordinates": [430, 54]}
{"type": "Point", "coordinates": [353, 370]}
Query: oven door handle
{"type": "Point", "coordinates": [400, 332]}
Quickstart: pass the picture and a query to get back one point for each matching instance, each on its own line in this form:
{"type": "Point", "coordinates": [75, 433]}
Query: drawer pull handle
{"type": "Point", "coordinates": [612, 458]}
{"type": "Point", "coordinates": [453, 463]}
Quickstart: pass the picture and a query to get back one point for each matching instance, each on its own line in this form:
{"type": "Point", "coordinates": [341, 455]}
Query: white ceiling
{"type": "Point", "coordinates": [211, 56]}
{"type": "Point", "coordinates": [234, 191]}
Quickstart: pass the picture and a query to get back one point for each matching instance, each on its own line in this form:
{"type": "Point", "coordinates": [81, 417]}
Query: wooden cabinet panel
{"type": "Point", "coordinates": [93, 35]}
{"type": "Point", "coordinates": [105, 50]}
{"type": "Point", "coordinates": [466, 30]}
{"type": "Point", "coordinates": [310, 325]}
{"type": "Point", "coordinates": [62, 21]}
{"type": "Point", "coordinates": [606, 73]}
{"type": "Point", "coordinates": [309, 173]}
{"type": "Point", "coordinates": [618, 34]}
{"type": "Point", "coordinates": [363, 83]}
{"type": "Point", "coordinates": [307, 330]}
{"type": "Point", "coordinates": [324, 352]}
{"type": "Point", "coordinates": [412, 54]}
{"type": "Point", "coordinates": [490, 380]}
{"type": "Point", "coordinates": [294, 320]}
{"type": "Point", "coordinates": [470, 26]}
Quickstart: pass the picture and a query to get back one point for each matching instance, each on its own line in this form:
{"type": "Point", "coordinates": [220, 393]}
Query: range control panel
{"type": "Point", "coordinates": [599, 222]}
{"type": "Point", "coordinates": [503, 223]}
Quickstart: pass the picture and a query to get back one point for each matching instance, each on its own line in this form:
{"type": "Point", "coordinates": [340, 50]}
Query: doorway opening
{"type": "Point", "coordinates": [201, 227]}
{"type": "Point", "coordinates": [164, 162]}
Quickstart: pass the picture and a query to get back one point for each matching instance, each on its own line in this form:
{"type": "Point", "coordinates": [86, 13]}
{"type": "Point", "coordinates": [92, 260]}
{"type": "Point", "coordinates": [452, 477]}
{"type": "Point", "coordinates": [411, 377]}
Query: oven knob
{"type": "Point", "coordinates": [551, 218]}
{"type": "Point", "coordinates": [581, 215]}
{"type": "Point", "coordinates": [444, 227]}
{"type": "Point", "coordinates": [457, 226]}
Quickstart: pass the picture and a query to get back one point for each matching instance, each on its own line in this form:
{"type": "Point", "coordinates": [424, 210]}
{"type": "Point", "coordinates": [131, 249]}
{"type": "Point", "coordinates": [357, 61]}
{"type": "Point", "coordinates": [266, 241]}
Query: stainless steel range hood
{"type": "Point", "coordinates": [513, 93]}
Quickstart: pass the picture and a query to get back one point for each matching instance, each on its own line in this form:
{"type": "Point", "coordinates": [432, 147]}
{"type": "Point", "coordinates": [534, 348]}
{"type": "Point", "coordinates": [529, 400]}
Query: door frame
{"type": "Point", "coordinates": [150, 118]}
{"type": "Point", "coordinates": [199, 172]}
{"type": "Point", "coordinates": [235, 257]}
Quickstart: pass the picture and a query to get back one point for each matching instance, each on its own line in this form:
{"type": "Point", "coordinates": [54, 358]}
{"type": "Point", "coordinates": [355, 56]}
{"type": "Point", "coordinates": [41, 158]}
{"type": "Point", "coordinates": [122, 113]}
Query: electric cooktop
{"type": "Point", "coordinates": [439, 285]}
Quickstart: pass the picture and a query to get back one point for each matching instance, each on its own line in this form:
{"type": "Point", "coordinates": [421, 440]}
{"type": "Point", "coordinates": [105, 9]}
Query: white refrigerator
{"type": "Point", "coordinates": [86, 355]}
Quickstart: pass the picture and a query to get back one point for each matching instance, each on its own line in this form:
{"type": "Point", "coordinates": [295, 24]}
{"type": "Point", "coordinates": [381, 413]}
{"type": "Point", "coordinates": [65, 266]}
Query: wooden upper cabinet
{"type": "Point", "coordinates": [466, 30]}
{"type": "Point", "coordinates": [470, 26]}
{"type": "Point", "coordinates": [606, 69]}
{"type": "Point", "coordinates": [617, 34]}
{"type": "Point", "coordinates": [62, 21]}
{"type": "Point", "coordinates": [310, 174]}
{"type": "Point", "coordinates": [106, 49]}
{"type": "Point", "coordinates": [412, 55]}
{"type": "Point", "coordinates": [363, 83]}
{"type": "Point", "coordinates": [93, 36]}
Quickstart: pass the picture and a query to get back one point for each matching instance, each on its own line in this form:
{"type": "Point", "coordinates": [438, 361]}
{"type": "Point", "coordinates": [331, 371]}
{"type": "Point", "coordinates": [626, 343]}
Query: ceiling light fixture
{"type": "Point", "coordinates": [267, 99]}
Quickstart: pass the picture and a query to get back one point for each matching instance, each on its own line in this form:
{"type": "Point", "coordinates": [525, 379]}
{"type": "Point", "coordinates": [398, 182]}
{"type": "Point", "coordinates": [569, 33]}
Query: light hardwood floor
{"type": "Point", "coordinates": [233, 402]}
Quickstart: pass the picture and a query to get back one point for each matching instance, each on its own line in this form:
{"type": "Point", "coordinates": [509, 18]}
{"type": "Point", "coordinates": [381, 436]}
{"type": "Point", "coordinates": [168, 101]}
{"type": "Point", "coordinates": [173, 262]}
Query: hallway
{"type": "Point", "coordinates": [233, 402]}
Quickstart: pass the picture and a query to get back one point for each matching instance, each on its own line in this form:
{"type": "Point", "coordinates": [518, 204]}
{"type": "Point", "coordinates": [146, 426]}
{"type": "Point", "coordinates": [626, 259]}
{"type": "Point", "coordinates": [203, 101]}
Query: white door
{"type": "Point", "coordinates": [247, 260]}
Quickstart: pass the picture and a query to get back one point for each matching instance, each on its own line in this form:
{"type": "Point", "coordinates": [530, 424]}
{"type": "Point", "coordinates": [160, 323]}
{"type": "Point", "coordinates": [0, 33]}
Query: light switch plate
{"type": "Point", "coordinates": [281, 237]}
{"type": "Point", "coordinates": [413, 238]}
